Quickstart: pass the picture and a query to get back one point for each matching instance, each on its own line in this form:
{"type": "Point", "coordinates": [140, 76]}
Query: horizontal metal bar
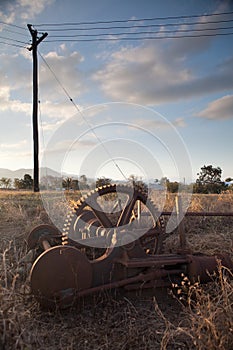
{"type": "Point", "coordinates": [196, 213]}
{"type": "Point", "coordinates": [155, 260]}
{"type": "Point", "coordinates": [140, 277]}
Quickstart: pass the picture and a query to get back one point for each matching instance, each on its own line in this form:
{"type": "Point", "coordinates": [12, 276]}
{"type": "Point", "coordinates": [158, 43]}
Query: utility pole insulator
{"type": "Point", "coordinates": [33, 48]}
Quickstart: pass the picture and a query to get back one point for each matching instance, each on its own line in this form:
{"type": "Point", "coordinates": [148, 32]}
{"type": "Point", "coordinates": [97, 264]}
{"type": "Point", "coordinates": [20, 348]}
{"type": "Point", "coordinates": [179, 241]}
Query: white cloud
{"type": "Point", "coordinates": [156, 123]}
{"type": "Point", "coordinates": [23, 9]}
{"type": "Point", "coordinates": [16, 152]}
{"type": "Point", "coordinates": [165, 71]}
{"type": "Point", "coordinates": [65, 67]}
{"type": "Point", "coordinates": [13, 146]}
{"type": "Point", "coordinates": [57, 110]}
{"type": "Point", "coordinates": [30, 8]}
{"type": "Point", "coordinates": [219, 109]}
{"type": "Point", "coordinates": [17, 159]}
{"type": "Point", "coordinates": [179, 122]}
{"type": "Point", "coordinates": [4, 96]}
{"type": "Point", "coordinates": [16, 80]}
{"type": "Point", "coordinates": [11, 105]}
{"type": "Point", "coordinates": [188, 46]}
{"type": "Point", "coordinates": [148, 75]}
{"type": "Point", "coordinates": [15, 73]}
{"type": "Point", "coordinates": [69, 146]}
{"type": "Point", "coordinates": [51, 126]}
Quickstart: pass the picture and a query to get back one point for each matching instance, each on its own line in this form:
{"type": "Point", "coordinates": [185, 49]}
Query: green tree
{"type": "Point", "coordinates": [28, 181]}
{"type": "Point", "coordinates": [75, 185]}
{"type": "Point", "coordinates": [164, 181]}
{"type": "Point", "coordinates": [209, 180]}
{"type": "Point", "coordinates": [5, 182]}
{"type": "Point", "coordinates": [102, 181]}
{"type": "Point", "coordinates": [83, 185]}
{"type": "Point", "coordinates": [66, 183]}
{"type": "Point", "coordinates": [135, 181]}
{"type": "Point", "coordinates": [23, 184]}
{"type": "Point", "coordinates": [172, 186]}
{"type": "Point", "coordinates": [18, 184]}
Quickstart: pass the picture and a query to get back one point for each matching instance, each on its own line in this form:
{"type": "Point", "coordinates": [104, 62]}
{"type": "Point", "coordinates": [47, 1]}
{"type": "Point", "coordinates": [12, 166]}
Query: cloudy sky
{"type": "Point", "coordinates": [151, 84]}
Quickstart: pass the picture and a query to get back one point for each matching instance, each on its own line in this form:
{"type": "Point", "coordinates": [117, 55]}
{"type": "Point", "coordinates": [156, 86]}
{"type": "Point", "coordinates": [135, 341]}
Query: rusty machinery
{"type": "Point", "coordinates": [105, 246]}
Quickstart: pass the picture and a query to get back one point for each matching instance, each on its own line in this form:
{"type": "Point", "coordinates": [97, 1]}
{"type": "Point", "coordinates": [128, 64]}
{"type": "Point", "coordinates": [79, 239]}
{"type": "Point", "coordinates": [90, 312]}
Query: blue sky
{"type": "Point", "coordinates": [152, 108]}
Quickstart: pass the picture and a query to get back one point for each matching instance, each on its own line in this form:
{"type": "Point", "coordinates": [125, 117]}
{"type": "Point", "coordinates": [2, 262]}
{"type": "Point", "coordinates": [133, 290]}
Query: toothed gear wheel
{"type": "Point", "coordinates": [115, 207]}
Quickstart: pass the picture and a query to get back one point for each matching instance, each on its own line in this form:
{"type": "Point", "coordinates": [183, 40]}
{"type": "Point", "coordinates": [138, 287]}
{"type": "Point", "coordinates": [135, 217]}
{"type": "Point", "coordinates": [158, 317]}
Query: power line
{"type": "Point", "coordinates": [22, 47]}
{"type": "Point", "coordinates": [12, 25]}
{"type": "Point", "coordinates": [139, 33]}
{"type": "Point", "coordinates": [139, 26]}
{"type": "Point", "coordinates": [14, 32]}
{"type": "Point", "coordinates": [141, 38]}
{"type": "Point", "coordinates": [14, 40]}
{"type": "Point", "coordinates": [135, 20]}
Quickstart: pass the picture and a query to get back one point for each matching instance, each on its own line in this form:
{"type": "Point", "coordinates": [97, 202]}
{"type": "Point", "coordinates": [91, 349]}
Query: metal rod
{"type": "Point", "coordinates": [180, 222]}
{"type": "Point", "coordinates": [45, 244]}
{"type": "Point", "coordinates": [200, 213]}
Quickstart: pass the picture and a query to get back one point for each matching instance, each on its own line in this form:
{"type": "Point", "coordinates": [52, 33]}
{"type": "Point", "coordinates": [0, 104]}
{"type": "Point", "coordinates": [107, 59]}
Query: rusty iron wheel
{"type": "Point", "coordinates": [90, 219]}
{"type": "Point", "coordinates": [58, 274]}
{"type": "Point", "coordinates": [45, 231]}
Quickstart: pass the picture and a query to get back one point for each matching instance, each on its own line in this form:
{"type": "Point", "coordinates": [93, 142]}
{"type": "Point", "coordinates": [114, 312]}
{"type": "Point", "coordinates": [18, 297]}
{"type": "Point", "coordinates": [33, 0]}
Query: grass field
{"type": "Point", "coordinates": [196, 317]}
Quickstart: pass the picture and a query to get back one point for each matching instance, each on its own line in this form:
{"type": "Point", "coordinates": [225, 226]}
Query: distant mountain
{"type": "Point", "coordinates": [12, 174]}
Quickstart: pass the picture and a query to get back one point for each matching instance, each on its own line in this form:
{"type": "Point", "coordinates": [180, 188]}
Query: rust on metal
{"type": "Point", "coordinates": [199, 213]}
{"type": "Point", "coordinates": [57, 271]}
{"type": "Point", "coordinates": [63, 273]}
{"type": "Point", "coordinates": [180, 222]}
{"type": "Point", "coordinates": [203, 268]}
{"type": "Point", "coordinates": [39, 232]}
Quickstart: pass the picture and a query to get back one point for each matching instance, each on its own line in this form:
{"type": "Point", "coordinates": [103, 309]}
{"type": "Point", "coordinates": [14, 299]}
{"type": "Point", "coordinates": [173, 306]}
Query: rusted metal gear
{"type": "Point", "coordinates": [105, 210]}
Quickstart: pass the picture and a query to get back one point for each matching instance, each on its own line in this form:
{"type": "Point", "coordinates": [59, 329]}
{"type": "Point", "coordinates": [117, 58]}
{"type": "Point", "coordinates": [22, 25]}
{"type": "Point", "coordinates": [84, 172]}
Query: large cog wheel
{"type": "Point", "coordinates": [107, 209]}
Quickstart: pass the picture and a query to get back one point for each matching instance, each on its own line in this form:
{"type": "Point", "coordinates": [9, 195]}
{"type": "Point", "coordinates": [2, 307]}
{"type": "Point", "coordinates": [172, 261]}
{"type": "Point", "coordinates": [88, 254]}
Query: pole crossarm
{"type": "Point", "coordinates": [34, 34]}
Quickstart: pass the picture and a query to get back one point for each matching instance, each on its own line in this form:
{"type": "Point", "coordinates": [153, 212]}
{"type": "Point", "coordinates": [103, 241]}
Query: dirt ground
{"type": "Point", "coordinates": [155, 319]}
{"type": "Point", "coordinates": [109, 320]}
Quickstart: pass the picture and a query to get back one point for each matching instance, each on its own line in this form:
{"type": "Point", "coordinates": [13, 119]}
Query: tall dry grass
{"type": "Point", "coordinates": [201, 319]}
{"type": "Point", "coordinates": [208, 315]}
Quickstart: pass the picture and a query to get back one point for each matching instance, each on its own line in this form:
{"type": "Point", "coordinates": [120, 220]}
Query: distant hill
{"type": "Point", "coordinates": [12, 174]}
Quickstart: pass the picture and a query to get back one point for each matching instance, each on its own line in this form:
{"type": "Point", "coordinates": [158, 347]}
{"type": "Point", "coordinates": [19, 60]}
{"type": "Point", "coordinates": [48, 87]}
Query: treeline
{"type": "Point", "coordinates": [26, 183]}
{"type": "Point", "coordinates": [53, 183]}
{"type": "Point", "coordinates": [208, 181]}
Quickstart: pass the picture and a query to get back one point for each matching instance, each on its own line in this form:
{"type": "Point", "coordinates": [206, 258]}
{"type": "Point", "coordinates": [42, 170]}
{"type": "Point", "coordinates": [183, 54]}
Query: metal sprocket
{"type": "Point", "coordinates": [115, 207]}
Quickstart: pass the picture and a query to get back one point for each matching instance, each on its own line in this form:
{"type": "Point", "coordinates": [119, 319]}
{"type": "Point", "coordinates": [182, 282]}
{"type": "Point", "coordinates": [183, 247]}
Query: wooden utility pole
{"type": "Point", "coordinates": [33, 48]}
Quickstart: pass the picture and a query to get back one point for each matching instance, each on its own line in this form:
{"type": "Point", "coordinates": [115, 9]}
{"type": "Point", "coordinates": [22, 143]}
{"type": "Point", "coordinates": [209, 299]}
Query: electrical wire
{"type": "Point", "coordinates": [139, 33]}
{"type": "Point", "coordinates": [14, 45]}
{"type": "Point", "coordinates": [14, 32]}
{"type": "Point", "coordinates": [141, 38]}
{"type": "Point", "coordinates": [197, 32]}
{"type": "Point", "coordinates": [135, 20]}
{"type": "Point", "coordinates": [83, 116]}
{"type": "Point", "coordinates": [14, 40]}
{"type": "Point", "coordinates": [139, 26]}
{"type": "Point", "coordinates": [12, 25]}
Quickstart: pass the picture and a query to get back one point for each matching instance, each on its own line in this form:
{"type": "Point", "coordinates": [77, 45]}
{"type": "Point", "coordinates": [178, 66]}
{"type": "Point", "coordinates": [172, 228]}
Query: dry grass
{"type": "Point", "coordinates": [116, 321]}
